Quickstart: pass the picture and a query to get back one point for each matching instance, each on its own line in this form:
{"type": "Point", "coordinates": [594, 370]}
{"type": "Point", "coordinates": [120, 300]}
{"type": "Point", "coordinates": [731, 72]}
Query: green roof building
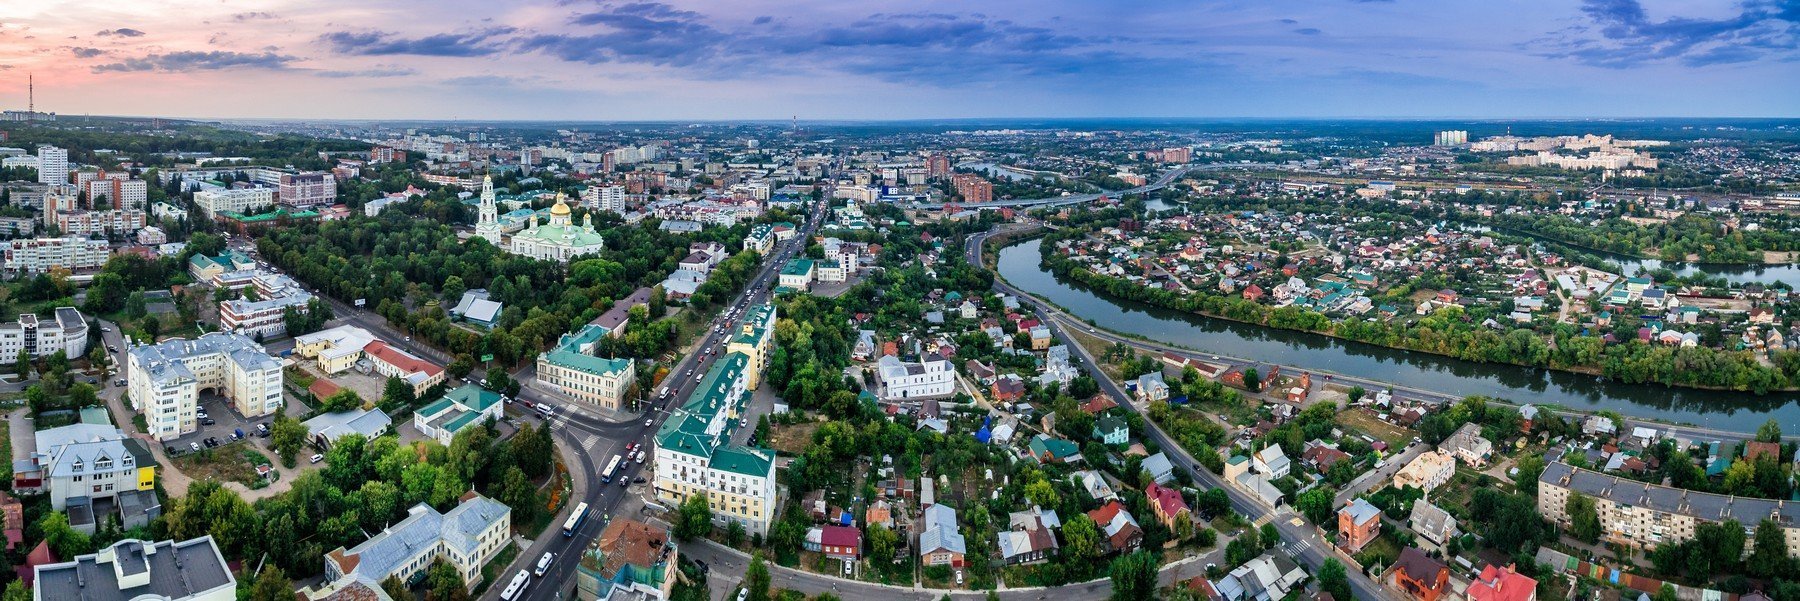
{"type": "Point", "coordinates": [468, 405]}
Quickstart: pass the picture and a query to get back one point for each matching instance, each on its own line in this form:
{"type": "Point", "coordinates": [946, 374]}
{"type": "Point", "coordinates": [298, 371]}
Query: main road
{"type": "Point", "coordinates": [594, 439]}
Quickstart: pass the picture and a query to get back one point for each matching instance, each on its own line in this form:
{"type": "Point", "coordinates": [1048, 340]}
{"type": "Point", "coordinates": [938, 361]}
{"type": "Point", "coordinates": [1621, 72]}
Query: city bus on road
{"type": "Point", "coordinates": [612, 468]}
{"type": "Point", "coordinates": [516, 588]}
{"type": "Point", "coordinates": [575, 519]}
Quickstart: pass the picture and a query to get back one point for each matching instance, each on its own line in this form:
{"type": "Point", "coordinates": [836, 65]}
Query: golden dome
{"type": "Point", "coordinates": [561, 208]}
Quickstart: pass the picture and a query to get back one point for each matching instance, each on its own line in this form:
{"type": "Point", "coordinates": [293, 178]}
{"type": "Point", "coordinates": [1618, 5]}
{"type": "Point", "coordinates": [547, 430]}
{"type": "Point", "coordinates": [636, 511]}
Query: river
{"type": "Point", "coordinates": [1020, 265]}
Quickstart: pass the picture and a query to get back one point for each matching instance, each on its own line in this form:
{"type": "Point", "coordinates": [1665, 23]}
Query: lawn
{"type": "Point", "coordinates": [490, 573]}
{"type": "Point", "coordinates": [1363, 420]}
{"type": "Point", "coordinates": [227, 463]}
{"type": "Point", "coordinates": [1383, 550]}
{"type": "Point", "coordinates": [792, 439]}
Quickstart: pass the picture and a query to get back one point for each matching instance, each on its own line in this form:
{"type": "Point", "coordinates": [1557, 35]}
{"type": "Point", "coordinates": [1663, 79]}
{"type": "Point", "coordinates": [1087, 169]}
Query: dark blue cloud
{"type": "Point", "coordinates": [122, 32]}
{"type": "Point", "coordinates": [379, 71]}
{"type": "Point", "coordinates": [762, 20]}
{"type": "Point", "coordinates": [1308, 31]}
{"type": "Point", "coordinates": [198, 61]}
{"type": "Point", "coordinates": [481, 42]}
{"type": "Point", "coordinates": [1628, 37]}
{"type": "Point", "coordinates": [81, 52]}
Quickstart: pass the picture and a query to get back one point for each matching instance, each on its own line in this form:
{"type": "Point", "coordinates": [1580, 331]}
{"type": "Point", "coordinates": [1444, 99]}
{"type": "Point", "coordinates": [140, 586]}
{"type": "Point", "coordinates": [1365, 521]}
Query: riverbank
{"type": "Point", "coordinates": [1020, 266]}
{"type": "Point", "coordinates": [1631, 362]}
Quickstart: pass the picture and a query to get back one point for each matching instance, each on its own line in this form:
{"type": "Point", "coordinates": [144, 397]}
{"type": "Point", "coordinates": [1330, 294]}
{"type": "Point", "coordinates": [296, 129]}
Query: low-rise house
{"type": "Point", "coordinates": [1112, 430]}
{"type": "Point", "coordinates": [1468, 445]}
{"type": "Point", "coordinates": [1029, 537]}
{"type": "Point", "coordinates": [904, 380]}
{"type": "Point", "coordinates": [1121, 532]}
{"type": "Point", "coordinates": [1008, 388]}
{"type": "Point", "coordinates": [1432, 522]}
{"type": "Point", "coordinates": [326, 428]}
{"type": "Point", "coordinates": [841, 542]}
{"type": "Point", "coordinates": [1359, 523]}
{"type": "Point", "coordinates": [1151, 387]}
{"type": "Point", "coordinates": [1094, 483]}
{"type": "Point", "coordinates": [1161, 470]}
{"type": "Point", "coordinates": [942, 543]}
{"type": "Point", "coordinates": [1271, 461]}
{"type": "Point", "coordinates": [1168, 505]}
{"type": "Point", "coordinates": [1269, 577]}
{"type": "Point", "coordinates": [1502, 584]}
{"type": "Point", "coordinates": [1419, 576]}
{"type": "Point", "coordinates": [1046, 449]}
{"type": "Point", "coordinates": [1321, 458]}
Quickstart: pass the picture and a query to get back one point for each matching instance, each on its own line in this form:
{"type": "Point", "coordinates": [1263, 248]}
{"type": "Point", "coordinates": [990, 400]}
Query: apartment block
{"type": "Point", "coordinates": [695, 455]}
{"type": "Point", "coordinates": [38, 255]}
{"type": "Point", "coordinates": [66, 331]}
{"type": "Point", "coordinates": [1644, 515]}
{"type": "Point", "coordinates": [166, 380]}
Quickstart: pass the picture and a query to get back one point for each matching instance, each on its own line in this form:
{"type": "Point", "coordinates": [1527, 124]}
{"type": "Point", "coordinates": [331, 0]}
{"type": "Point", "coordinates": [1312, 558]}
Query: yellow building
{"type": "Point", "coordinates": [755, 338]}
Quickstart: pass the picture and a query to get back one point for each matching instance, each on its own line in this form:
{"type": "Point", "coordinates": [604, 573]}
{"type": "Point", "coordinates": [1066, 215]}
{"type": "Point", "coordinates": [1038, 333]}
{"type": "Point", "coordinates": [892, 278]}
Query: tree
{"type": "Point", "coordinates": [1666, 593]}
{"type": "Point", "coordinates": [22, 364]}
{"type": "Point", "coordinates": [1214, 501]}
{"type": "Point", "coordinates": [1134, 576]}
{"type": "Point", "coordinates": [395, 588]}
{"type": "Point", "coordinates": [1584, 520]}
{"type": "Point", "coordinates": [1252, 380]}
{"type": "Point", "coordinates": [882, 542]}
{"type": "Point", "coordinates": [271, 585]}
{"type": "Point", "coordinates": [444, 583]}
{"type": "Point", "coordinates": [343, 400]}
{"type": "Point", "coordinates": [1770, 431]}
{"type": "Point", "coordinates": [1334, 579]}
{"type": "Point", "coordinates": [397, 393]}
{"type": "Point", "coordinates": [756, 578]}
{"type": "Point", "coordinates": [1082, 537]}
{"type": "Point", "coordinates": [1316, 504]}
{"type": "Point", "coordinates": [694, 518]}
{"type": "Point", "coordinates": [461, 366]}
{"type": "Point", "coordinates": [16, 591]}
{"type": "Point", "coordinates": [1769, 551]}
{"type": "Point", "coordinates": [734, 533]}
{"type": "Point", "coordinates": [64, 540]}
{"type": "Point", "coordinates": [287, 435]}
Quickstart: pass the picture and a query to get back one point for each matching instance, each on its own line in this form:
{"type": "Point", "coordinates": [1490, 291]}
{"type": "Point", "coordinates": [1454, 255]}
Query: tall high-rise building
{"type": "Point", "coordinates": [1450, 138]}
{"type": "Point", "coordinates": [487, 224]}
{"type": "Point", "coordinates": [973, 188]}
{"type": "Point", "coordinates": [53, 165]}
{"type": "Point", "coordinates": [604, 198]}
{"type": "Point", "coordinates": [937, 165]}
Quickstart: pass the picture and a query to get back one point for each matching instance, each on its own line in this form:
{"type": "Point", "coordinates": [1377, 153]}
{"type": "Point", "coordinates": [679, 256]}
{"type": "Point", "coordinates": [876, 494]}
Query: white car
{"type": "Point", "coordinates": [543, 565]}
{"type": "Point", "coordinates": [317, 458]}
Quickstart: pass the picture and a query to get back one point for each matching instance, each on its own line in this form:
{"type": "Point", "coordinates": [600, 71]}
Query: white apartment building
{"type": "Point", "coordinates": [66, 332]}
{"type": "Point", "coordinates": [38, 255]}
{"type": "Point", "coordinates": [1645, 515]}
{"type": "Point", "coordinates": [604, 198]}
{"type": "Point", "coordinates": [213, 200]}
{"type": "Point", "coordinates": [53, 165]}
{"type": "Point", "coordinates": [152, 236]}
{"type": "Point", "coordinates": [166, 379]}
{"type": "Point", "coordinates": [904, 380]}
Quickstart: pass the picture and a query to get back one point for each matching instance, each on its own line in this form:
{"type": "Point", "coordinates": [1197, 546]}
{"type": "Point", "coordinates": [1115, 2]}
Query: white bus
{"type": "Point", "coordinates": [612, 467]}
{"type": "Point", "coordinates": [516, 588]}
{"type": "Point", "coordinates": [575, 519]}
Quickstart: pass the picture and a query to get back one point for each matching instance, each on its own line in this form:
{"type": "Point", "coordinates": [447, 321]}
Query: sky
{"type": "Point", "coordinates": [919, 59]}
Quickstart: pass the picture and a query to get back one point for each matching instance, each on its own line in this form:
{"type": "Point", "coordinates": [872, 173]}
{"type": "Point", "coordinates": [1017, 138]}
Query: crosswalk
{"type": "Point", "coordinates": [1295, 548]}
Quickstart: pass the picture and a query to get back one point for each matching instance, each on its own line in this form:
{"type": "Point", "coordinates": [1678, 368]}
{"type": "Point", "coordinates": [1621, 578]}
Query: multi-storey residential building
{"type": "Point", "coordinates": [1468, 445]}
{"type": "Point", "coordinates": [216, 200]}
{"type": "Point", "coordinates": [760, 239]}
{"type": "Point", "coordinates": [937, 165]}
{"type": "Point", "coordinates": [904, 380]}
{"type": "Point", "coordinates": [572, 368]}
{"type": "Point", "coordinates": [1177, 154]}
{"type": "Point", "coordinates": [386, 154]}
{"type": "Point", "coordinates": [67, 332]}
{"type": "Point", "coordinates": [119, 191]}
{"type": "Point", "coordinates": [755, 339]}
{"type": "Point", "coordinates": [1644, 515]}
{"type": "Point", "coordinates": [604, 198]}
{"type": "Point", "coordinates": [695, 455]}
{"type": "Point", "coordinates": [98, 223]}
{"type": "Point", "coordinates": [131, 569]}
{"type": "Point", "coordinates": [1358, 523]}
{"type": "Point", "coordinates": [973, 188]}
{"type": "Point", "coordinates": [53, 165]}
{"type": "Point", "coordinates": [166, 380]}
{"type": "Point", "coordinates": [631, 561]}
{"type": "Point", "coordinates": [466, 537]}
{"type": "Point", "coordinates": [38, 255]}
{"type": "Point", "coordinates": [306, 190]}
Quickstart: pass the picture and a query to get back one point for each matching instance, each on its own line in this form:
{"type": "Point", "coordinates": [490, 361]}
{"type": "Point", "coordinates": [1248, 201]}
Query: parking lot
{"type": "Point", "coordinates": [226, 421]}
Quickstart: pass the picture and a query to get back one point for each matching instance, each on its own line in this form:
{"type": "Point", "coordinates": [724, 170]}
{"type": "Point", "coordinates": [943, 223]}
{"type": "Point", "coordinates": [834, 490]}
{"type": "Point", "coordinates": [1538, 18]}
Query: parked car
{"type": "Point", "coordinates": [195, 446]}
{"type": "Point", "coordinates": [317, 457]}
{"type": "Point", "coordinates": [208, 421]}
